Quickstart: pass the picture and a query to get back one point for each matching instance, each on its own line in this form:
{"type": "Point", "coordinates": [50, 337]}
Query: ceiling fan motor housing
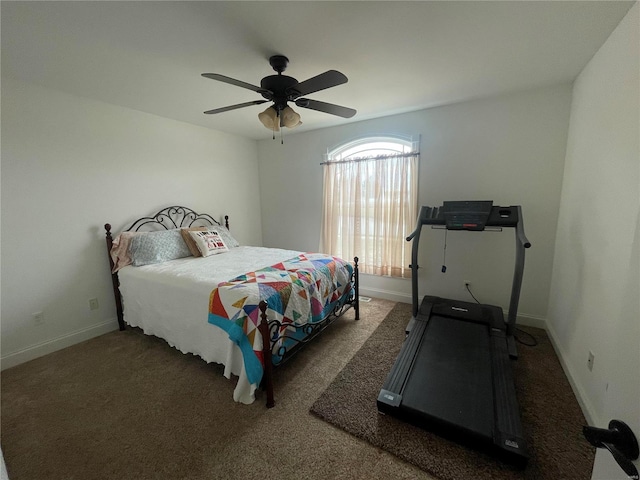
{"type": "Point", "coordinates": [281, 89]}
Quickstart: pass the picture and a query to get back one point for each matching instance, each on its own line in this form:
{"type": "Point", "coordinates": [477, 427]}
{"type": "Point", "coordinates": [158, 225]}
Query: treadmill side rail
{"type": "Point", "coordinates": [390, 396]}
{"type": "Point", "coordinates": [508, 435]}
{"type": "Point", "coordinates": [391, 399]}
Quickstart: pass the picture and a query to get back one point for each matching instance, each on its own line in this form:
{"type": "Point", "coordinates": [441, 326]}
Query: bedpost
{"type": "Point", "coordinates": [114, 278]}
{"type": "Point", "coordinates": [266, 354]}
{"type": "Point", "coordinates": [356, 278]}
{"type": "Point", "coordinates": [226, 221]}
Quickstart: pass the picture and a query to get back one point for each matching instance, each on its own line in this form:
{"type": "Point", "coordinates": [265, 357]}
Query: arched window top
{"type": "Point", "coordinates": [372, 146]}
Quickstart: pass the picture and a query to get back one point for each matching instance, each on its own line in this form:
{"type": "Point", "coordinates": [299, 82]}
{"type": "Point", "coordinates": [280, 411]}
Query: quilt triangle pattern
{"type": "Point", "coordinates": [302, 290]}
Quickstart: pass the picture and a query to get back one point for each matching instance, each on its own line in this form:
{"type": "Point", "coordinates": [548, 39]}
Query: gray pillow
{"type": "Point", "coordinates": [227, 238]}
{"type": "Point", "coordinates": [157, 247]}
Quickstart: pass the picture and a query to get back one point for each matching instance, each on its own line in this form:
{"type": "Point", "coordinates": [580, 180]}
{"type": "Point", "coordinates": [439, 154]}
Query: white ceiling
{"type": "Point", "coordinates": [398, 56]}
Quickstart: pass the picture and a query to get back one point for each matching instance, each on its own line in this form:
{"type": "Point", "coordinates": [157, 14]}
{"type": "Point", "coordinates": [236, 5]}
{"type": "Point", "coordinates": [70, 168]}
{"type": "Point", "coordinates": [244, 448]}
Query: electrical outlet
{"type": "Point", "coordinates": [93, 304]}
{"type": "Point", "coordinates": [38, 318]}
{"type": "Point", "coordinates": [467, 283]}
{"type": "Point", "coordinates": [590, 360]}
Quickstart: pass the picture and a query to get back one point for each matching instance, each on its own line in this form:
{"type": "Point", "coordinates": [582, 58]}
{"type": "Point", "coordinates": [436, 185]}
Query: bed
{"type": "Point", "coordinates": [222, 305]}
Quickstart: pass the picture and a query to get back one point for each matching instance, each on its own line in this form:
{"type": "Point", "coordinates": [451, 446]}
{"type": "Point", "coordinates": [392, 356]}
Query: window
{"type": "Point", "coordinates": [370, 204]}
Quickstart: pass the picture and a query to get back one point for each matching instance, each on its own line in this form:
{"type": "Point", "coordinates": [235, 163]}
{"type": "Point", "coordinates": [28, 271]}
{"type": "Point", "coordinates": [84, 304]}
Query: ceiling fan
{"type": "Point", "coordinates": [281, 89]}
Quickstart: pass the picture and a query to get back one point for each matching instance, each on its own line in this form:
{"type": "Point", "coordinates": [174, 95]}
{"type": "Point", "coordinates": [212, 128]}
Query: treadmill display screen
{"type": "Point", "coordinates": [472, 215]}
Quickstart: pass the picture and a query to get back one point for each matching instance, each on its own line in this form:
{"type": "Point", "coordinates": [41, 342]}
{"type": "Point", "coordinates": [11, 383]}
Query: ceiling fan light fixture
{"type": "Point", "coordinates": [290, 118]}
{"type": "Point", "coordinates": [269, 118]}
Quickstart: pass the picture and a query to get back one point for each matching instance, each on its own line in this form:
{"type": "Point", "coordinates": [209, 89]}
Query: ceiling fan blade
{"type": "Point", "coordinates": [319, 82]}
{"type": "Point", "coordinates": [232, 81]}
{"type": "Point", "coordinates": [325, 107]}
{"type": "Point", "coordinates": [233, 107]}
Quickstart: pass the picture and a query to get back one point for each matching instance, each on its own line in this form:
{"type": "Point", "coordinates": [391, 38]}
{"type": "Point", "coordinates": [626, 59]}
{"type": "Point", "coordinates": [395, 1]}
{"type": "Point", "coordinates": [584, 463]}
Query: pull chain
{"type": "Point", "coordinates": [444, 253]}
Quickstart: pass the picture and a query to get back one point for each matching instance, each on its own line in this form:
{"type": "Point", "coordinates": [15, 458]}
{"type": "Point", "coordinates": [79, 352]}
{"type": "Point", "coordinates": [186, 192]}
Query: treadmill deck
{"type": "Point", "coordinates": [453, 375]}
{"type": "Point", "coordinates": [456, 387]}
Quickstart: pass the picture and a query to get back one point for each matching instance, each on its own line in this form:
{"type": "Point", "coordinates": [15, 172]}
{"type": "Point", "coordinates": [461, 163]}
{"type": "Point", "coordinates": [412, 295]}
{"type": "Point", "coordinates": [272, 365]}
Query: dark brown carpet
{"type": "Point", "coordinates": [551, 416]}
{"type": "Point", "coordinates": [126, 406]}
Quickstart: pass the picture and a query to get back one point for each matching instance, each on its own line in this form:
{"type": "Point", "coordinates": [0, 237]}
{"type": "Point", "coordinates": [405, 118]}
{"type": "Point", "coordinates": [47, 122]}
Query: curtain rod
{"type": "Point", "coordinates": [376, 157]}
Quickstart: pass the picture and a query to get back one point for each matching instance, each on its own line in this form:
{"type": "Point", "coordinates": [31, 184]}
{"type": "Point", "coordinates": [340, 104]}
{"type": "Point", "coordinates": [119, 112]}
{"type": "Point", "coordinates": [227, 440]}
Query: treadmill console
{"type": "Point", "coordinates": [469, 215]}
{"type": "Point", "coordinates": [466, 215]}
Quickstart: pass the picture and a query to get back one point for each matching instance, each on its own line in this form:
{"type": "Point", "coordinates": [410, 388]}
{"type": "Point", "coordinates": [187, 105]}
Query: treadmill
{"type": "Point", "coordinates": [453, 374]}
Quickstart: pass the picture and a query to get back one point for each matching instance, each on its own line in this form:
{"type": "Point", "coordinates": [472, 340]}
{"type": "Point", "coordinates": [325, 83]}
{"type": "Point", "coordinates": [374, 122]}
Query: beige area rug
{"type": "Point", "coordinates": [551, 416]}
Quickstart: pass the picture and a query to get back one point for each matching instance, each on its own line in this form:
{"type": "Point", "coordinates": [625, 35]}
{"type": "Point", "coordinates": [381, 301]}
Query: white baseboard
{"type": "Point", "coordinates": [50, 346]}
{"type": "Point", "coordinates": [583, 400]}
{"type": "Point", "coordinates": [385, 294]}
{"type": "Point", "coordinates": [529, 320]}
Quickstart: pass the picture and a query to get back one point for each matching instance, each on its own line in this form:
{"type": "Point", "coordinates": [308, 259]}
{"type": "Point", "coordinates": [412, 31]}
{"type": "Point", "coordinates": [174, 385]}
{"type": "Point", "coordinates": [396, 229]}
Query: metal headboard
{"type": "Point", "coordinates": [175, 217]}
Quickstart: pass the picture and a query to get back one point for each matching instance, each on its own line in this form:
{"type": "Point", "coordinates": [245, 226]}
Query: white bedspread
{"type": "Point", "coordinates": [171, 300]}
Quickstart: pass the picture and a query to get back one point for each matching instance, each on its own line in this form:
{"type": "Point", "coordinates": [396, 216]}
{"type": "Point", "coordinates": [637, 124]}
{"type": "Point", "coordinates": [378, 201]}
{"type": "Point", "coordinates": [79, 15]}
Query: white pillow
{"type": "Point", "coordinates": [209, 242]}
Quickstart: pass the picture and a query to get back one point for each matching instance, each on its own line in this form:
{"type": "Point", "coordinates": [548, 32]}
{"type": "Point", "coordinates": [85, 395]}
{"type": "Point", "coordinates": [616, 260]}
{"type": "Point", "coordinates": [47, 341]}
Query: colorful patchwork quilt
{"type": "Point", "coordinates": [302, 290]}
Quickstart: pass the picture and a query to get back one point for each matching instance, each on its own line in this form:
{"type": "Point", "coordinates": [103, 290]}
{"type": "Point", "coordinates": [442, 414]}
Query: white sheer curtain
{"type": "Point", "coordinates": [370, 207]}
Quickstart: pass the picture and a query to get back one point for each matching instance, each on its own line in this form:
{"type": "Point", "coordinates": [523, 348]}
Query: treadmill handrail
{"type": "Point", "coordinates": [521, 244]}
{"type": "Point", "coordinates": [522, 238]}
{"type": "Point", "coordinates": [414, 233]}
{"type": "Point", "coordinates": [415, 236]}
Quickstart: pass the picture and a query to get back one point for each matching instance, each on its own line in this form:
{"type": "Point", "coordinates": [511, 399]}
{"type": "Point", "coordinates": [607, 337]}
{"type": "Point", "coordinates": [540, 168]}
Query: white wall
{"type": "Point", "coordinates": [509, 149]}
{"type": "Point", "coordinates": [597, 225]}
{"type": "Point", "coordinates": [70, 165]}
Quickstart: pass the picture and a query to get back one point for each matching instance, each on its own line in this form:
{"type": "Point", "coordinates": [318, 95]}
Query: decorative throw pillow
{"type": "Point", "coordinates": [191, 243]}
{"type": "Point", "coordinates": [228, 239]}
{"type": "Point", "coordinates": [120, 250]}
{"type": "Point", "coordinates": [209, 242]}
{"type": "Point", "coordinates": [156, 247]}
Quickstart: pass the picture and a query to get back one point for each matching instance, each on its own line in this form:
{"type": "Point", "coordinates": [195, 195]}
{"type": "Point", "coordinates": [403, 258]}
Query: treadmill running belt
{"type": "Point", "coordinates": [451, 379]}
